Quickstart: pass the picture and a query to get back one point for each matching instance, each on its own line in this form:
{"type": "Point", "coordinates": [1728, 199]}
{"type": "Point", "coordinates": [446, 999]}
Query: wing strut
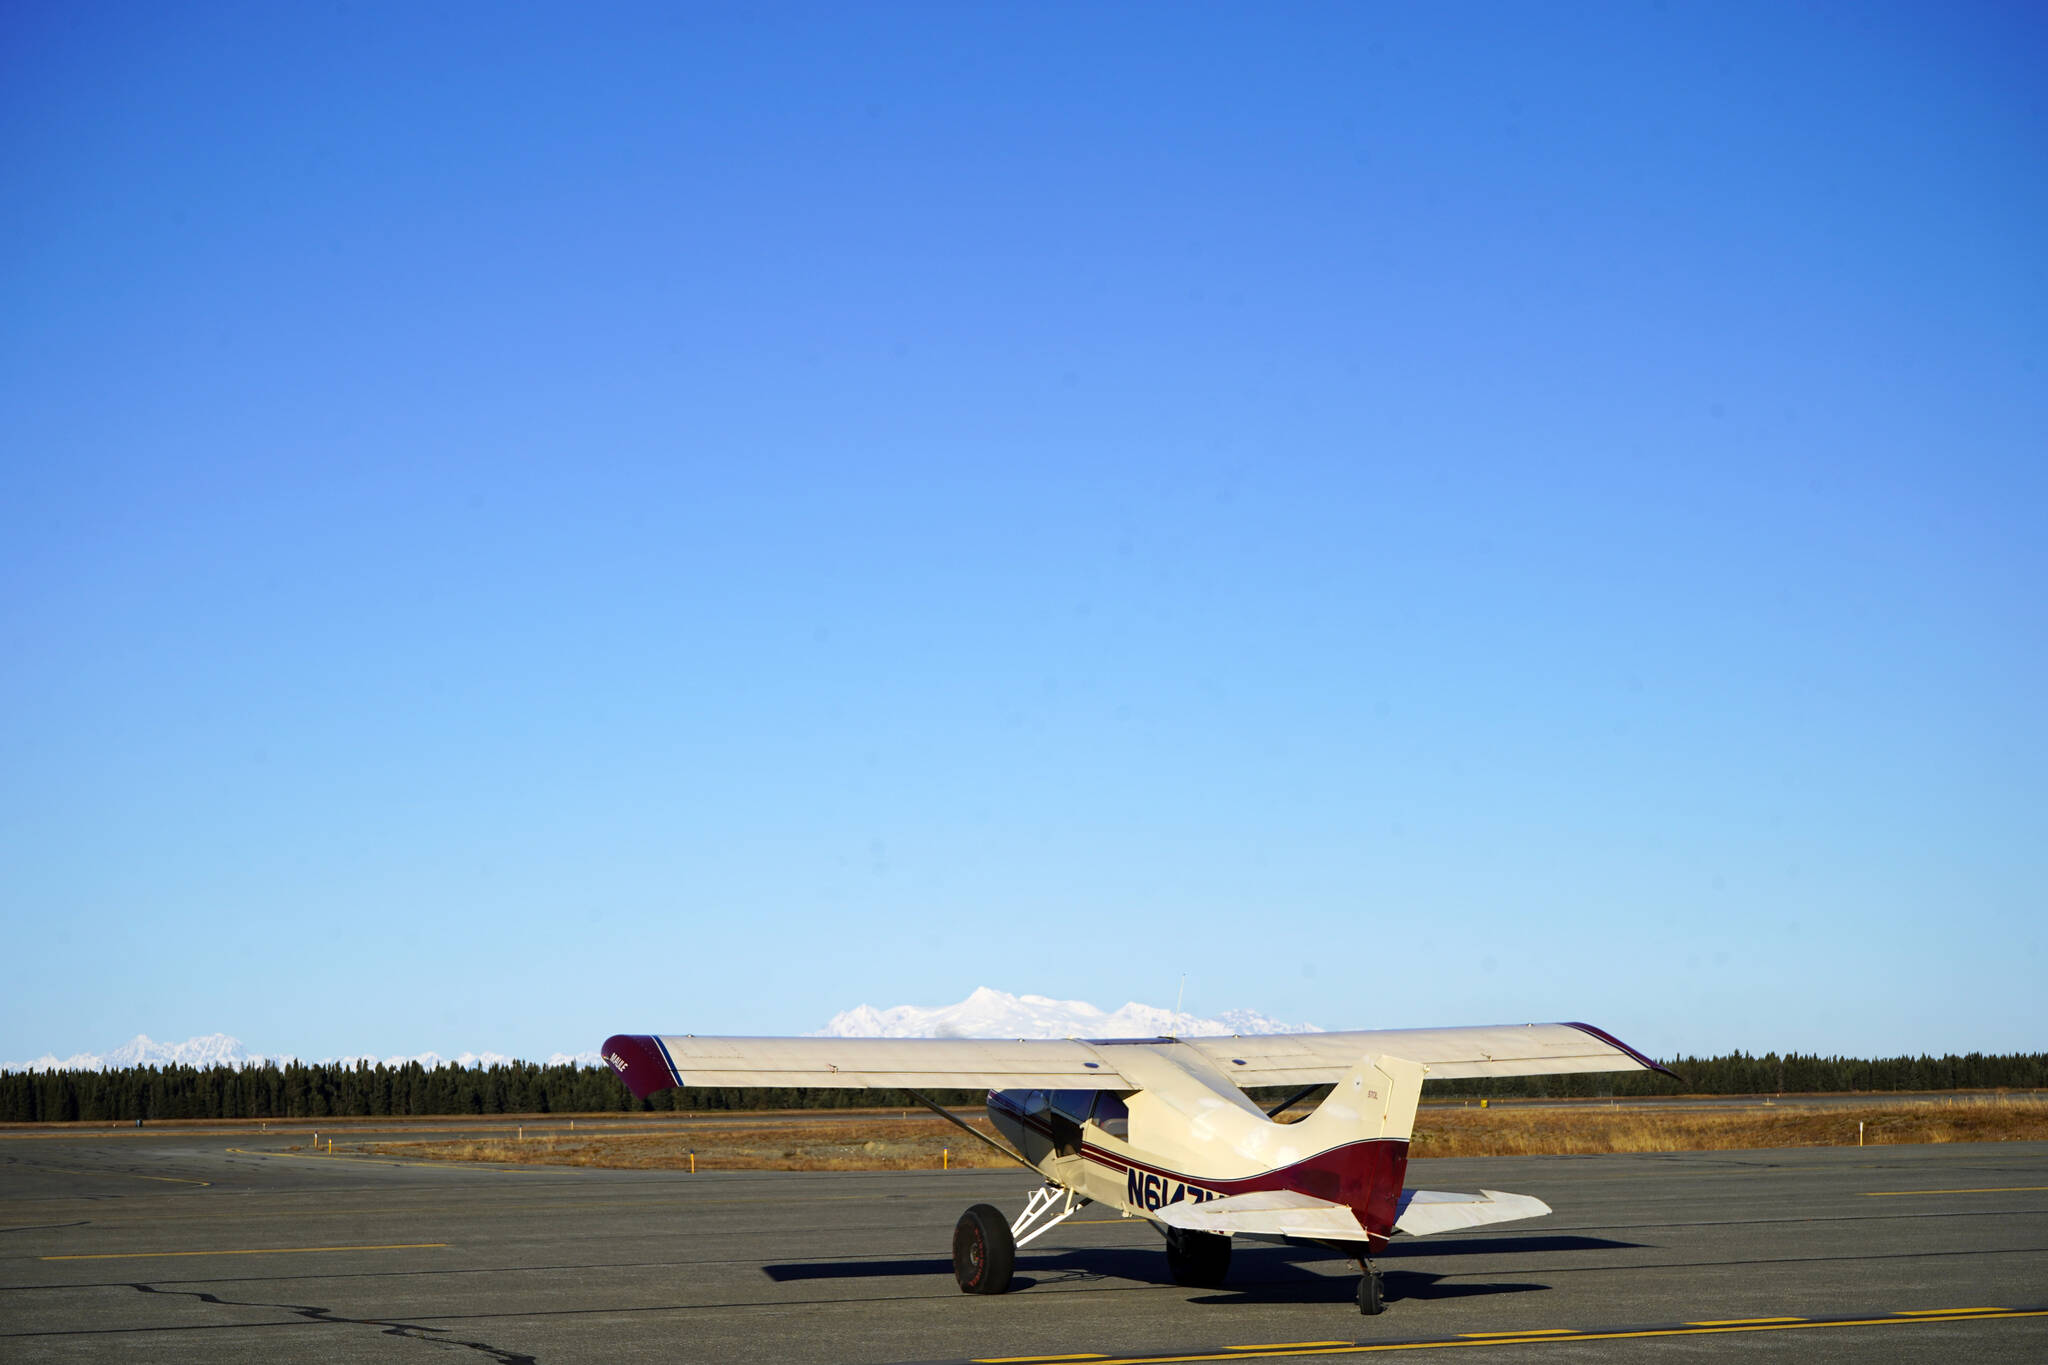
{"type": "Point", "coordinates": [949, 1116]}
{"type": "Point", "coordinates": [1296, 1098]}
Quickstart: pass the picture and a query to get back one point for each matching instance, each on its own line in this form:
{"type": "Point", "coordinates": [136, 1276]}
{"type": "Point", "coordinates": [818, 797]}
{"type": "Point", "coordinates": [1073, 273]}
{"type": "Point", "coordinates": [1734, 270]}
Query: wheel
{"type": "Point", "coordinates": [984, 1253]}
{"type": "Point", "coordinates": [1372, 1294]}
{"type": "Point", "coordinates": [1197, 1259]}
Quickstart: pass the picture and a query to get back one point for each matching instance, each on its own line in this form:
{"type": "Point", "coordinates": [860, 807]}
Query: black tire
{"type": "Point", "coordinates": [1372, 1294]}
{"type": "Point", "coordinates": [1199, 1260]}
{"type": "Point", "coordinates": [984, 1253]}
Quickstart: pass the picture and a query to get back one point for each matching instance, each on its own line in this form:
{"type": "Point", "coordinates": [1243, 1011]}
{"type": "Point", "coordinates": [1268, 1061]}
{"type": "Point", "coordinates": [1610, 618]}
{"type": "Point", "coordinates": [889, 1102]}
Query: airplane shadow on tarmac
{"type": "Point", "coordinates": [1506, 1246]}
{"type": "Point", "coordinates": [1261, 1273]}
{"type": "Point", "coordinates": [1104, 1264]}
{"type": "Point", "coordinates": [1270, 1275]}
{"type": "Point", "coordinates": [1400, 1284]}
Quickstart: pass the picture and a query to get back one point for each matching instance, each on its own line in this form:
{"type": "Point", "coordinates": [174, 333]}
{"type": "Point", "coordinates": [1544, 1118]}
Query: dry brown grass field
{"type": "Point", "coordinates": [895, 1144]}
{"type": "Point", "coordinates": [760, 1144]}
{"type": "Point", "coordinates": [1577, 1131]}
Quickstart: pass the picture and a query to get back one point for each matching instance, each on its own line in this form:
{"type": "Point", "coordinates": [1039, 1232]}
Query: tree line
{"type": "Point", "coordinates": [1739, 1073]}
{"type": "Point", "coordinates": [333, 1089]}
{"type": "Point", "coordinates": [302, 1090]}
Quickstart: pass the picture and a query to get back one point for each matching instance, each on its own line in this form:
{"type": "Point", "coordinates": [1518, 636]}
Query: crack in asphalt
{"type": "Point", "coordinates": [410, 1331]}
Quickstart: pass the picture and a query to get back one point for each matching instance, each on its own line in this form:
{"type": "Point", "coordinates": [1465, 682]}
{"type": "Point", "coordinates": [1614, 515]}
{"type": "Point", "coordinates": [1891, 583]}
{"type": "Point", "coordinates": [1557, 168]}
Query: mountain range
{"type": "Point", "coordinates": [997, 1014]}
{"type": "Point", "coordinates": [987, 1013]}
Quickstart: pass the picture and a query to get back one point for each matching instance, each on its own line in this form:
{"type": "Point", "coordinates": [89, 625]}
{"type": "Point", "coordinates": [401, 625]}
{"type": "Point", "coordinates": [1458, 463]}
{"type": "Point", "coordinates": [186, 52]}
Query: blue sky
{"type": "Point", "coordinates": [515, 527]}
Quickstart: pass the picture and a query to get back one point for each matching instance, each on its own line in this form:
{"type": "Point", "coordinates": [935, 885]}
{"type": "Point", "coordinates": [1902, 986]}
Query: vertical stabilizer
{"type": "Point", "coordinates": [1375, 1099]}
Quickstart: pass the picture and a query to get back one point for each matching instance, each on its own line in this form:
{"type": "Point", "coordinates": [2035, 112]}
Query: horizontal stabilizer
{"type": "Point", "coordinates": [1267, 1213]}
{"type": "Point", "coordinates": [1427, 1211]}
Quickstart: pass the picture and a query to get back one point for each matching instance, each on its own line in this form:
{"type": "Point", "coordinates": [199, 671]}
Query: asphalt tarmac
{"type": "Point", "coordinates": [222, 1248]}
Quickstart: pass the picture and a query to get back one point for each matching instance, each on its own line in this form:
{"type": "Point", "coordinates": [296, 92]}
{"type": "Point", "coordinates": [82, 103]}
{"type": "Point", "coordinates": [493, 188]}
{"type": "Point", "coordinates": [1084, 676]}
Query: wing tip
{"type": "Point", "coordinates": [640, 1062]}
{"type": "Point", "coordinates": [1646, 1063]}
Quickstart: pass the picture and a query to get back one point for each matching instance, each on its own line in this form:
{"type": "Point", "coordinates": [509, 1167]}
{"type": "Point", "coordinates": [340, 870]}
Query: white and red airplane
{"type": "Point", "coordinates": [1161, 1128]}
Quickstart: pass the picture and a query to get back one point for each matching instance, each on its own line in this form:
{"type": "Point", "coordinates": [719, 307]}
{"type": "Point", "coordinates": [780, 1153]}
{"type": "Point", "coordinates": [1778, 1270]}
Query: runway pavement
{"type": "Point", "coordinates": [220, 1247]}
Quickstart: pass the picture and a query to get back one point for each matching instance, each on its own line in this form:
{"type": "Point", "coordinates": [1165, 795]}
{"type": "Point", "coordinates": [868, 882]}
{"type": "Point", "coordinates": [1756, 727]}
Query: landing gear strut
{"type": "Point", "coordinates": [985, 1247]}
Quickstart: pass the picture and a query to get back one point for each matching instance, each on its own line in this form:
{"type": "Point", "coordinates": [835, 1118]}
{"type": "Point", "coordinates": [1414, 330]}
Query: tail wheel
{"type": "Point", "coordinates": [1199, 1260]}
{"type": "Point", "coordinates": [1372, 1294]}
{"type": "Point", "coordinates": [984, 1253]}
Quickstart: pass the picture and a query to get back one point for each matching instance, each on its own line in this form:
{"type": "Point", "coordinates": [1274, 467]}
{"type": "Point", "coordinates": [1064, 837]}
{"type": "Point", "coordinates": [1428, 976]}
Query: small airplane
{"type": "Point", "coordinates": [1162, 1129]}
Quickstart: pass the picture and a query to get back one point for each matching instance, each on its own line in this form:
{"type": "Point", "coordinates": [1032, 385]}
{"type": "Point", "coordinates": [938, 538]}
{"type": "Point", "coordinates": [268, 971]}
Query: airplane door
{"type": "Point", "coordinates": [1069, 1112]}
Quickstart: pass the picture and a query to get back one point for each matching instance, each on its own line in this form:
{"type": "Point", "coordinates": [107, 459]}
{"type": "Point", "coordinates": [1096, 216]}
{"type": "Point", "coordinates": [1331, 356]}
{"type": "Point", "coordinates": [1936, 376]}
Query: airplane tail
{"type": "Point", "coordinates": [1353, 1187]}
{"type": "Point", "coordinates": [1362, 1131]}
{"type": "Point", "coordinates": [1346, 1187]}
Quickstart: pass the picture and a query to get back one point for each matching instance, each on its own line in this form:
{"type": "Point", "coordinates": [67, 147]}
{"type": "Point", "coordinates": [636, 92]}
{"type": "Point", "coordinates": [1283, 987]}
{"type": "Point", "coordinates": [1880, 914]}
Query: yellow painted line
{"type": "Point", "coordinates": [1739, 1322]}
{"type": "Point", "coordinates": [1523, 1332]}
{"type": "Point", "coordinates": [393, 1161]}
{"type": "Point", "coordinates": [1362, 1348]}
{"type": "Point", "coordinates": [1938, 1312]}
{"type": "Point", "coordinates": [1031, 1360]}
{"type": "Point", "coordinates": [243, 1251]}
{"type": "Point", "coordinates": [1986, 1189]}
{"type": "Point", "coordinates": [131, 1175]}
{"type": "Point", "coordinates": [1291, 1345]}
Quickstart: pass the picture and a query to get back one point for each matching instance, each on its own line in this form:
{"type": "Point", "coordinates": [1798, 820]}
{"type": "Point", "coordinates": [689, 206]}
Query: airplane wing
{"type": "Point", "coordinates": [1449, 1053]}
{"type": "Point", "coordinates": [648, 1062]}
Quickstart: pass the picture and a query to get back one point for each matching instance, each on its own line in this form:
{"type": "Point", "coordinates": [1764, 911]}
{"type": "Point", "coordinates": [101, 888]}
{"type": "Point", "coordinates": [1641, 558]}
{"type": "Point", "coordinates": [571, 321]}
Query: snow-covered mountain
{"type": "Point", "coordinates": [998, 1014]}
{"type": "Point", "coordinates": [212, 1049]}
{"type": "Point", "coordinates": [218, 1049]}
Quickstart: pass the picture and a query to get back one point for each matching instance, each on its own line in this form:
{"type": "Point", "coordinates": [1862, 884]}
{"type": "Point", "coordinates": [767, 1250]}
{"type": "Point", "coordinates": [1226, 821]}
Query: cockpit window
{"type": "Point", "coordinates": [1073, 1103]}
{"type": "Point", "coordinates": [1110, 1115]}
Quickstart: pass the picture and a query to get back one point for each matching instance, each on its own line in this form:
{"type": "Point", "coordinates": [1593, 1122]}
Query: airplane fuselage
{"type": "Point", "coordinates": [1183, 1140]}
